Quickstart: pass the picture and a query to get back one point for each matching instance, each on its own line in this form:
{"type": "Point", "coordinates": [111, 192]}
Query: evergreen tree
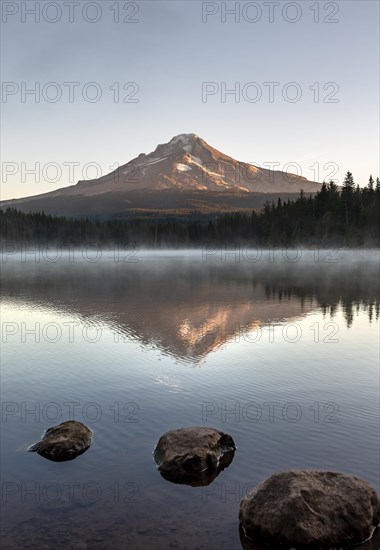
{"type": "Point", "coordinates": [348, 182]}
{"type": "Point", "coordinates": [347, 194]}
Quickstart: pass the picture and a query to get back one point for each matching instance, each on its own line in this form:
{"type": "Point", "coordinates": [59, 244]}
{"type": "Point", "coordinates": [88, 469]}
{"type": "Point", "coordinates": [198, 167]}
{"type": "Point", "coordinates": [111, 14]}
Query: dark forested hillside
{"type": "Point", "coordinates": [344, 216]}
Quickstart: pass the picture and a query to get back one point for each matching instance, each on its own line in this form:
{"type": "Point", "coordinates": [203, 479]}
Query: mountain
{"type": "Point", "coordinates": [185, 174]}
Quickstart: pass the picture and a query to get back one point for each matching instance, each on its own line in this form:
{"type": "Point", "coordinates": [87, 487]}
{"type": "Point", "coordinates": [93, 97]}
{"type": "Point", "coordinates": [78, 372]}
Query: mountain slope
{"type": "Point", "coordinates": [185, 172]}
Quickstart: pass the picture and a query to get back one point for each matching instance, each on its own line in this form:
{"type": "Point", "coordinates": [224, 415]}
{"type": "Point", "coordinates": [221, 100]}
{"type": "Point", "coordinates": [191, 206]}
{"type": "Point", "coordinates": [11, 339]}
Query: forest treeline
{"type": "Point", "coordinates": [339, 216]}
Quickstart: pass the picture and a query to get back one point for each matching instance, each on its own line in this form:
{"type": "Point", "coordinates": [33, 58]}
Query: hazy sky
{"type": "Point", "coordinates": [180, 58]}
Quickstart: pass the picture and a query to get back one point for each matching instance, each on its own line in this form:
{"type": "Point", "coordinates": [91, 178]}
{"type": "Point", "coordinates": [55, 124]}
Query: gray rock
{"type": "Point", "coordinates": [194, 456]}
{"type": "Point", "coordinates": [63, 442]}
{"type": "Point", "coordinates": [310, 509]}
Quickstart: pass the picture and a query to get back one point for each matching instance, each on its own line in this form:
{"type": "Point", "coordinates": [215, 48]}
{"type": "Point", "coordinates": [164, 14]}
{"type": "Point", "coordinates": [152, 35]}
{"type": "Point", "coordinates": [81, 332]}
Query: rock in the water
{"type": "Point", "coordinates": [63, 442]}
{"type": "Point", "coordinates": [310, 509]}
{"type": "Point", "coordinates": [193, 456]}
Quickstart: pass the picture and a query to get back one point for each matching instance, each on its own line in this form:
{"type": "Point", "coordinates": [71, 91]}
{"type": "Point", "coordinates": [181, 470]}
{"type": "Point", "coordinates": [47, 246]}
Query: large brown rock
{"type": "Point", "coordinates": [63, 442]}
{"type": "Point", "coordinates": [194, 456]}
{"type": "Point", "coordinates": [310, 509]}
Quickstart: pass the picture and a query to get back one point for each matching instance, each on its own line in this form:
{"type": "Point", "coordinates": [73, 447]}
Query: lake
{"type": "Point", "coordinates": [278, 350]}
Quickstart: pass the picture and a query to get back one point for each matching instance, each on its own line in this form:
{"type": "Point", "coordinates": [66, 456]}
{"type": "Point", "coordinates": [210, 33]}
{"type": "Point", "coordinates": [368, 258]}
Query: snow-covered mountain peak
{"type": "Point", "coordinates": [182, 142]}
{"type": "Point", "coordinates": [187, 162]}
{"type": "Point", "coordinates": [184, 138]}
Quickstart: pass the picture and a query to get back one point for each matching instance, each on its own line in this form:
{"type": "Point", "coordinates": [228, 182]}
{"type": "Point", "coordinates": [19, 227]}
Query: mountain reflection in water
{"type": "Point", "coordinates": [189, 308]}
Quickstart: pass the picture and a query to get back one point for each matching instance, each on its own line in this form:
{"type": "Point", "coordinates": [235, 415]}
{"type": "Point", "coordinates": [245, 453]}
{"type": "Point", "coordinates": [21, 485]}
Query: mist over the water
{"type": "Point", "coordinates": [176, 285]}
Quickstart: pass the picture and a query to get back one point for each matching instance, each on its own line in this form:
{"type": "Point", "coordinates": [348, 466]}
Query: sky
{"type": "Point", "coordinates": [288, 85]}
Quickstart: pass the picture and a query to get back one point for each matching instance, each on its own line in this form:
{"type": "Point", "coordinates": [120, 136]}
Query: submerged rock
{"type": "Point", "coordinates": [193, 456]}
{"type": "Point", "coordinates": [63, 442]}
{"type": "Point", "coordinates": [310, 509]}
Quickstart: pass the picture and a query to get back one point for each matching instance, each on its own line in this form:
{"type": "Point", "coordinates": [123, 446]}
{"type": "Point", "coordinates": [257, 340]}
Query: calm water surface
{"type": "Point", "coordinates": [282, 355]}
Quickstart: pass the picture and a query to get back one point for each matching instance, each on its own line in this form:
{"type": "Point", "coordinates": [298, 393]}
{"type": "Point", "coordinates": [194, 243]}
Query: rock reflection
{"type": "Point", "coordinates": [248, 544]}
